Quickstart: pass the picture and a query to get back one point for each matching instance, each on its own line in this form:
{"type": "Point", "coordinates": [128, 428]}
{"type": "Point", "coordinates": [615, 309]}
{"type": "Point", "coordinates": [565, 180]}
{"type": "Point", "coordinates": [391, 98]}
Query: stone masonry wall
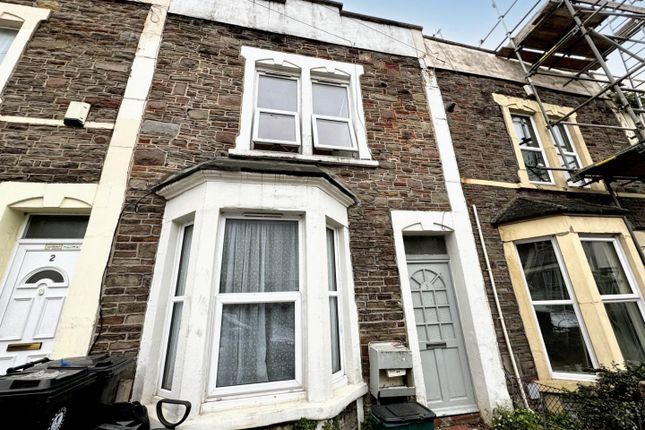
{"type": "Point", "coordinates": [484, 151]}
{"type": "Point", "coordinates": [193, 115]}
{"type": "Point", "coordinates": [83, 52]}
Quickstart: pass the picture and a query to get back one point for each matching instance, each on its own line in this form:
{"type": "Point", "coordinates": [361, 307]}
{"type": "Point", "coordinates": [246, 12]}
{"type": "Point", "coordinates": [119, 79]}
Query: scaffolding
{"type": "Point", "coordinates": [589, 42]}
{"type": "Point", "coordinates": [599, 44]}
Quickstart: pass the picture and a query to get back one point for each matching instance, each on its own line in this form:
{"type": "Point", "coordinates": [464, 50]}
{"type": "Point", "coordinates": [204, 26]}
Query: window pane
{"type": "Point", "coordinates": [257, 344]}
{"type": "Point", "coordinates": [572, 160]}
{"type": "Point", "coordinates": [524, 131]}
{"type": "Point", "coordinates": [424, 245]}
{"type": "Point", "coordinates": [563, 339]}
{"type": "Point", "coordinates": [259, 256]}
{"type": "Point", "coordinates": [534, 160]}
{"type": "Point", "coordinates": [183, 261]}
{"type": "Point", "coordinates": [56, 227]}
{"type": "Point", "coordinates": [330, 100]}
{"type": "Point", "coordinates": [335, 134]}
{"type": "Point", "coordinates": [542, 271]}
{"type": "Point", "coordinates": [331, 260]}
{"type": "Point", "coordinates": [274, 126]}
{"type": "Point", "coordinates": [7, 36]}
{"type": "Point", "coordinates": [627, 322]}
{"type": "Point", "coordinates": [277, 93]}
{"type": "Point", "coordinates": [335, 334]}
{"type": "Point", "coordinates": [562, 138]}
{"type": "Point", "coordinates": [606, 268]}
{"type": "Point", "coordinates": [171, 349]}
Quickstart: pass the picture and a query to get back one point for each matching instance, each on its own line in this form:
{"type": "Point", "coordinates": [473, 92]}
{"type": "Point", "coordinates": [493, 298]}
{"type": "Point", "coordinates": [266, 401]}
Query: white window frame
{"type": "Point", "coordinates": [25, 19]}
{"type": "Point", "coordinates": [296, 115]}
{"type": "Point", "coordinates": [570, 302]}
{"type": "Point", "coordinates": [309, 70]}
{"type": "Point", "coordinates": [636, 296]}
{"type": "Point", "coordinates": [574, 153]}
{"type": "Point", "coordinates": [221, 299]}
{"type": "Point", "coordinates": [347, 120]}
{"type": "Point", "coordinates": [172, 300]}
{"type": "Point", "coordinates": [340, 374]}
{"type": "Point", "coordinates": [539, 149]}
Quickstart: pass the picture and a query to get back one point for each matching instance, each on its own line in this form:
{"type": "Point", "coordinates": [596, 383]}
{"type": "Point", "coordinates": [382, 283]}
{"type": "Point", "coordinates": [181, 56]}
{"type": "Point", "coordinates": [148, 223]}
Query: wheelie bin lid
{"type": "Point", "coordinates": [99, 363]}
{"type": "Point", "coordinates": [43, 382]}
{"type": "Point", "coordinates": [404, 412]}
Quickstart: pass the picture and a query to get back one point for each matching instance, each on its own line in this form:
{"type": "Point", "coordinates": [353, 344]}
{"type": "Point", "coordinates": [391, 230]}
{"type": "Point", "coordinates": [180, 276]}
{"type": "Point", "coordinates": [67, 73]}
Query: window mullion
{"type": "Point", "coordinates": [306, 110]}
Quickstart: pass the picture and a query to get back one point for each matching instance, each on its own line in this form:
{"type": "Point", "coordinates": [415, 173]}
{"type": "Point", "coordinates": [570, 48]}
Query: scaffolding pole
{"type": "Point", "coordinates": [575, 49]}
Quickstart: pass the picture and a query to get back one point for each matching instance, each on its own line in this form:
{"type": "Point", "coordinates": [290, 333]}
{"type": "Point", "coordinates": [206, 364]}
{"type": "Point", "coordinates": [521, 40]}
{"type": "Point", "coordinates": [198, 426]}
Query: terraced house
{"type": "Point", "coordinates": [244, 195]}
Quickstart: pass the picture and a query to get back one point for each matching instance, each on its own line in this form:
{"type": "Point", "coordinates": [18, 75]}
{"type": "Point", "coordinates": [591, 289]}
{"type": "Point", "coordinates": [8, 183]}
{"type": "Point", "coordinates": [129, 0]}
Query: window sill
{"type": "Point", "coordinates": [319, 159]}
{"type": "Point", "coordinates": [247, 413]}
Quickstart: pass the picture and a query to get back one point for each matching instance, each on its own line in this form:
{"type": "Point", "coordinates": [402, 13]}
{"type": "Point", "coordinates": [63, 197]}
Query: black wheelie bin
{"type": "Point", "coordinates": [60, 394]}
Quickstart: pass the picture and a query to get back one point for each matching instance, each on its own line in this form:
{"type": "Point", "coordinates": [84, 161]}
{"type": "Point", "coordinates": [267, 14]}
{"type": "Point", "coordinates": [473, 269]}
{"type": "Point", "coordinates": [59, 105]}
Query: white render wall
{"type": "Point", "coordinates": [305, 19]}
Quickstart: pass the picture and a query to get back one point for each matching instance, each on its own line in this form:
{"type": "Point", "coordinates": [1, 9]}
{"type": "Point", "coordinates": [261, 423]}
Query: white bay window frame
{"type": "Point", "coordinates": [174, 300]}
{"type": "Point", "coordinates": [222, 299]}
{"type": "Point", "coordinates": [308, 70]}
{"type": "Point", "coordinates": [315, 393]}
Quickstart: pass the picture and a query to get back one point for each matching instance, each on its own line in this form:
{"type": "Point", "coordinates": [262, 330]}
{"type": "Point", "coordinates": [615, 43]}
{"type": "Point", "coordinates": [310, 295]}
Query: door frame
{"type": "Point", "coordinates": [480, 337]}
{"type": "Point", "coordinates": [445, 259]}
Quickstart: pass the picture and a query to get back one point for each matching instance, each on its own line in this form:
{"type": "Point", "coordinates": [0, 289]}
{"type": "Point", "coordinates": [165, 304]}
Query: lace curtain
{"type": "Point", "coordinates": [257, 341]}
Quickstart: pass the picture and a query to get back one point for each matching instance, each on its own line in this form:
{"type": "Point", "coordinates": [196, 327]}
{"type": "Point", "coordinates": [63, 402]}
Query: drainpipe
{"type": "Point", "coordinates": [498, 306]}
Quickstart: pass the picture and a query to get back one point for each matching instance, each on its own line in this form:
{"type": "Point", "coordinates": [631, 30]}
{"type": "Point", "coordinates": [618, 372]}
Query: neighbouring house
{"type": "Point", "coordinates": [564, 253]}
{"type": "Point", "coordinates": [61, 187]}
{"type": "Point", "coordinates": [262, 188]}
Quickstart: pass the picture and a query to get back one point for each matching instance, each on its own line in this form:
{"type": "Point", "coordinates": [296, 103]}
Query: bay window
{"type": "Point", "coordinates": [258, 307]}
{"type": "Point", "coordinates": [622, 301]}
{"type": "Point", "coordinates": [334, 315]}
{"type": "Point", "coordinates": [555, 311]}
{"type": "Point", "coordinates": [579, 282]}
{"type": "Point", "coordinates": [252, 302]}
{"type": "Point", "coordinates": [176, 308]}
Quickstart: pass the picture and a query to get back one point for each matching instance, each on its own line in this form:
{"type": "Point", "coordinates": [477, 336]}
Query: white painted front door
{"type": "Point", "coordinates": [32, 298]}
{"type": "Point", "coordinates": [444, 361]}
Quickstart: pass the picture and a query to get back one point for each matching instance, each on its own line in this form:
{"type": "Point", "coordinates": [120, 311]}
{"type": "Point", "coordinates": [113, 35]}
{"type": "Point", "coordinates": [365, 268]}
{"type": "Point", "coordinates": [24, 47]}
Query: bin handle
{"type": "Point", "coordinates": [17, 369]}
{"type": "Point", "coordinates": [163, 420]}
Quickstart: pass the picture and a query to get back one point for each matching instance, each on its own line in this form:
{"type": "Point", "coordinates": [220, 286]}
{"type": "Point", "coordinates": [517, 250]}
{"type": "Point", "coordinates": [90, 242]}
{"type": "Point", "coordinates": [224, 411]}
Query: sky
{"type": "Point", "coordinates": [465, 21]}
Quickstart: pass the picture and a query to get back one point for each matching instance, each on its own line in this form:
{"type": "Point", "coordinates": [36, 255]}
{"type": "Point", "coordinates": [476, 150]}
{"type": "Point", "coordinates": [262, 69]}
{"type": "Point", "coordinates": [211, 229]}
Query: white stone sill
{"type": "Point", "coordinates": [285, 156]}
{"type": "Point", "coordinates": [248, 416]}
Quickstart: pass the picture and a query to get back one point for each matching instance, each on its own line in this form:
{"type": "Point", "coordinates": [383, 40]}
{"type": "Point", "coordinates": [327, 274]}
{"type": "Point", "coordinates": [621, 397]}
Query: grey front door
{"type": "Point", "coordinates": [441, 342]}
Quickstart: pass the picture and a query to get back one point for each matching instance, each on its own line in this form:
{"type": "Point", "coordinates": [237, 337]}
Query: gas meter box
{"type": "Point", "coordinates": [390, 370]}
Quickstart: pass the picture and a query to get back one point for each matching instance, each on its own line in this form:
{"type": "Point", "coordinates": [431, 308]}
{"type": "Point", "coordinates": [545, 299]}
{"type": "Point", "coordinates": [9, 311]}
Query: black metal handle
{"type": "Point", "coordinates": [17, 369]}
{"type": "Point", "coordinates": [163, 420]}
{"type": "Point", "coordinates": [436, 345]}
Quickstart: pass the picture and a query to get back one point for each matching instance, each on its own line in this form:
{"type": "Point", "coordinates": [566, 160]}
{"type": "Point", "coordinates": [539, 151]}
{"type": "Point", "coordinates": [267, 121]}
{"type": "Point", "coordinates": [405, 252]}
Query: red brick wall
{"type": "Point", "coordinates": [83, 52]}
{"type": "Point", "coordinates": [197, 89]}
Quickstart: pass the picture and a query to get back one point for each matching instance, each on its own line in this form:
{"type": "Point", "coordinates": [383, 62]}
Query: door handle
{"type": "Point", "coordinates": [436, 345]}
